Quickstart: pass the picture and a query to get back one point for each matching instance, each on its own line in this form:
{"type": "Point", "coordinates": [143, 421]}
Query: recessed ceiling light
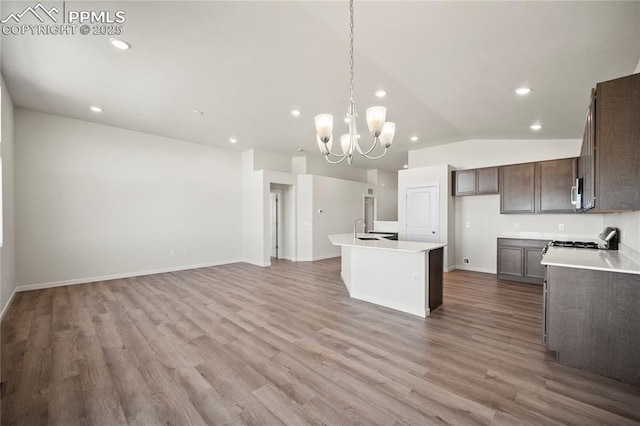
{"type": "Point", "coordinates": [523, 90]}
{"type": "Point", "coordinates": [381, 93]}
{"type": "Point", "coordinates": [198, 112]}
{"type": "Point", "coordinates": [414, 138]}
{"type": "Point", "coordinates": [95, 108]}
{"type": "Point", "coordinates": [232, 140]}
{"type": "Point", "coordinates": [295, 112]}
{"type": "Point", "coordinates": [406, 166]}
{"type": "Point", "coordinates": [119, 44]}
{"type": "Point", "coordinates": [536, 126]}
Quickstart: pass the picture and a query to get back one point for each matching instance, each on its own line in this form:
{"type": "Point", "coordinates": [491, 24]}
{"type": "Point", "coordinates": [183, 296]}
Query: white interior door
{"type": "Point", "coordinates": [422, 214]}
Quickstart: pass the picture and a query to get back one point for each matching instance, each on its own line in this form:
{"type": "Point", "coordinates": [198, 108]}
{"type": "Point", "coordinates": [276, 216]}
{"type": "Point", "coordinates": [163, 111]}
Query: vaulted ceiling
{"type": "Point", "coordinates": [449, 69]}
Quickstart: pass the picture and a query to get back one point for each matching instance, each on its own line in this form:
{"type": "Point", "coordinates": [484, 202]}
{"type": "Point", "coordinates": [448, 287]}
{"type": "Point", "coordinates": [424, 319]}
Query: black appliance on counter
{"type": "Point", "coordinates": [610, 239]}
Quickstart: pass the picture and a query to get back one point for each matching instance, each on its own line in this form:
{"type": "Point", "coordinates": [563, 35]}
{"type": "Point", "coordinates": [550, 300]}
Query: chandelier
{"type": "Point", "coordinates": [382, 131]}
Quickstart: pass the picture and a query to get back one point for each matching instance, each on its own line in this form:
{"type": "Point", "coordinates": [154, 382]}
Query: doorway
{"type": "Point", "coordinates": [369, 214]}
{"type": "Point", "coordinates": [276, 222]}
{"type": "Point", "coordinates": [423, 208]}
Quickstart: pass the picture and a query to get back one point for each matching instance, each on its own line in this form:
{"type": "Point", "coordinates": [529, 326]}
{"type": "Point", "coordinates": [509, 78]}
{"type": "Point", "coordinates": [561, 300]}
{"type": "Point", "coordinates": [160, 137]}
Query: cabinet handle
{"type": "Point", "coordinates": [574, 191]}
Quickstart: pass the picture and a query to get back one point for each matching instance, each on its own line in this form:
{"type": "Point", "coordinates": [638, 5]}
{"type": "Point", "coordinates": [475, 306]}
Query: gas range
{"type": "Point", "coordinates": [575, 244]}
{"type": "Point", "coordinates": [609, 239]}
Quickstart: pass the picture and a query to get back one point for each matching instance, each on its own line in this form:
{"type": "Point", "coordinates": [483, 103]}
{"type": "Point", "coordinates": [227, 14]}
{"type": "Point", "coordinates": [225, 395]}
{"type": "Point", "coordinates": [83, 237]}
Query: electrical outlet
{"type": "Point", "coordinates": [516, 226]}
{"type": "Point", "coordinates": [561, 227]}
{"type": "Point", "coordinates": [465, 260]}
{"type": "Point", "coordinates": [172, 253]}
{"type": "Point", "coordinates": [467, 225]}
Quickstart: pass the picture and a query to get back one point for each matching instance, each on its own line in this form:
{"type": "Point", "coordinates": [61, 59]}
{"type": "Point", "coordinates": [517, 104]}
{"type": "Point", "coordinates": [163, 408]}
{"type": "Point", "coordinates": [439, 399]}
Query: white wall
{"type": "Point", "coordinates": [7, 252]}
{"type": "Point", "coordinates": [439, 175]}
{"type": "Point", "coordinates": [479, 223]}
{"type": "Point", "coordinates": [96, 201]}
{"type": "Point", "coordinates": [482, 212]}
{"type": "Point", "coordinates": [385, 189]}
{"type": "Point", "coordinates": [263, 160]}
{"type": "Point", "coordinates": [341, 202]}
{"type": "Point", "coordinates": [316, 165]}
{"type": "Point", "coordinates": [629, 225]}
{"type": "Point", "coordinates": [305, 216]}
{"type": "Point", "coordinates": [474, 153]}
{"type": "Point", "coordinates": [253, 212]}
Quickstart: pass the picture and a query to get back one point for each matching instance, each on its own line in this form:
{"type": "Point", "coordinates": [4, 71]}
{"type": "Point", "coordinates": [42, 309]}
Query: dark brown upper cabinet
{"type": "Point", "coordinates": [475, 181]}
{"type": "Point", "coordinates": [610, 155]}
{"type": "Point", "coordinates": [517, 183]}
{"type": "Point", "coordinates": [465, 182]}
{"type": "Point", "coordinates": [554, 180]}
{"type": "Point", "coordinates": [487, 180]}
{"type": "Point", "coordinates": [543, 187]}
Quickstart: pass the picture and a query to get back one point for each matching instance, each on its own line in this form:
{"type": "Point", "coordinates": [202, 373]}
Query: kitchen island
{"type": "Point", "coordinates": [402, 275]}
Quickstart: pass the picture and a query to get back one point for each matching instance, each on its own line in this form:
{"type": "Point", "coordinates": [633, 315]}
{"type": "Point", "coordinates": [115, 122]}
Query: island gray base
{"type": "Point", "coordinates": [592, 321]}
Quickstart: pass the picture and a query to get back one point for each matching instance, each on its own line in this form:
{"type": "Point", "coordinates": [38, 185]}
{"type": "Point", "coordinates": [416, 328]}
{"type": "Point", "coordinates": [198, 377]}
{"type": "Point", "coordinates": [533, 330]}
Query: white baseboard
{"type": "Point", "coordinates": [392, 305]}
{"type": "Point", "coordinates": [261, 264]}
{"type": "Point", "coordinates": [8, 304]}
{"type": "Point", "coordinates": [87, 280]}
{"type": "Point", "coordinates": [451, 268]}
{"type": "Point", "coordinates": [327, 256]}
{"type": "Point", "coordinates": [475, 269]}
{"type": "Point", "coordinates": [287, 258]}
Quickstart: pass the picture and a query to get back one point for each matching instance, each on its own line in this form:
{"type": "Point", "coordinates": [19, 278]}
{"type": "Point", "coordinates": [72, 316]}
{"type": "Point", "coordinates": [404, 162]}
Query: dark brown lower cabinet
{"type": "Point", "coordinates": [436, 278]}
{"type": "Point", "coordinates": [592, 321]}
{"type": "Point", "coordinates": [519, 260]}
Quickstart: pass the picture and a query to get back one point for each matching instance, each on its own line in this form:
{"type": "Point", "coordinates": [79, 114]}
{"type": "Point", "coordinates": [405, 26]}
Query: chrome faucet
{"type": "Point", "coordinates": [355, 227]}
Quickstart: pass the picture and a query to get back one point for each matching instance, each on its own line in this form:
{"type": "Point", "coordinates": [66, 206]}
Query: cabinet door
{"type": "Point", "coordinates": [617, 144]}
{"type": "Point", "coordinates": [487, 180]}
{"type": "Point", "coordinates": [554, 181]}
{"type": "Point", "coordinates": [465, 182]}
{"type": "Point", "coordinates": [532, 266]}
{"type": "Point", "coordinates": [510, 262]}
{"type": "Point", "coordinates": [517, 188]}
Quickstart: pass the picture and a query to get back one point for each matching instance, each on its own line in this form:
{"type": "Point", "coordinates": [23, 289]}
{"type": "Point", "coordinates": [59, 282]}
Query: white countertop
{"type": "Point", "coordinates": [599, 260]}
{"type": "Point", "coordinates": [381, 243]}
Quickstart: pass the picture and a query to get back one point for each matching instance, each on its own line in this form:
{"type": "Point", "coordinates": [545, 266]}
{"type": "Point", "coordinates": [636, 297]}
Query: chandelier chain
{"type": "Point", "coordinates": [351, 50]}
{"type": "Point", "coordinates": [381, 130]}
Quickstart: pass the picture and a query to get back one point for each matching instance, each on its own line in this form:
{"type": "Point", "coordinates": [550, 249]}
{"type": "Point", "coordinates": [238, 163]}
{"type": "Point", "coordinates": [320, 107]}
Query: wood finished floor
{"type": "Point", "coordinates": [239, 344]}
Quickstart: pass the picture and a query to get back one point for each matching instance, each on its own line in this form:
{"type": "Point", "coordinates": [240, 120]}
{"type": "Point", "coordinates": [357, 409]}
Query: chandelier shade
{"type": "Point", "coordinates": [324, 126]}
{"type": "Point", "coordinates": [375, 119]}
